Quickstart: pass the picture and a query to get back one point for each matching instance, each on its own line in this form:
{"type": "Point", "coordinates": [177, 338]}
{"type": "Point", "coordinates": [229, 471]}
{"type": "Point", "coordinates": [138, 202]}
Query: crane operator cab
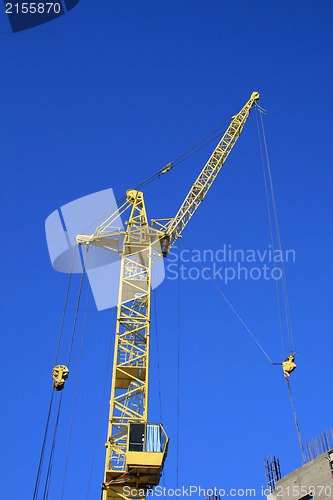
{"type": "Point", "coordinates": [146, 451]}
{"type": "Point", "coordinates": [147, 446]}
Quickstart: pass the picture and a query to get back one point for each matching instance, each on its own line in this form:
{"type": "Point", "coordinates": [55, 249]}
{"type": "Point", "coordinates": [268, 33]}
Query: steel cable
{"type": "Point", "coordinates": [40, 466]}
{"type": "Point", "coordinates": [49, 469]}
{"type": "Point", "coordinates": [102, 401]}
{"type": "Point", "coordinates": [41, 459]}
{"type": "Point", "coordinates": [158, 358]}
{"type": "Point", "coordinates": [179, 159]}
{"type": "Point", "coordinates": [284, 283]}
{"type": "Point", "coordinates": [77, 308]}
{"type": "Point", "coordinates": [75, 391]}
{"type": "Point", "coordinates": [296, 422]}
{"type": "Point", "coordinates": [271, 234]}
{"type": "Point", "coordinates": [65, 306]}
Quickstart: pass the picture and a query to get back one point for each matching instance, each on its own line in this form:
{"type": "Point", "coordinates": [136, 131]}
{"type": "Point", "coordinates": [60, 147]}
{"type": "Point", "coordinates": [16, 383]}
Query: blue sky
{"type": "Point", "coordinates": [105, 96]}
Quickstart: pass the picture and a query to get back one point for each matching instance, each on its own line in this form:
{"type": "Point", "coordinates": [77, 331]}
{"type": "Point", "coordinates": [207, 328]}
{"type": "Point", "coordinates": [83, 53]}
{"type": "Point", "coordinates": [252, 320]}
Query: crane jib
{"type": "Point", "coordinates": [208, 174]}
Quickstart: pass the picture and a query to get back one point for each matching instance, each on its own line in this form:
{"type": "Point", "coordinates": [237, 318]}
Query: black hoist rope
{"type": "Point", "coordinates": [102, 401]}
{"type": "Point", "coordinates": [49, 469]}
{"type": "Point", "coordinates": [202, 143]}
{"type": "Point", "coordinates": [77, 308]}
{"type": "Point", "coordinates": [50, 464]}
{"type": "Point", "coordinates": [65, 306]}
{"type": "Point", "coordinates": [284, 283]}
{"type": "Point", "coordinates": [277, 230]}
{"type": "Point", "coordinates": [76, 386]}
{"type": "Point", "coordinates": [296, 422]}
{"type": "Point", "coordinates": [271, 233]}
{"type": "Point", "coordinates": [41, 459]}
{"type": "Point", "coordinates": [49, 472]}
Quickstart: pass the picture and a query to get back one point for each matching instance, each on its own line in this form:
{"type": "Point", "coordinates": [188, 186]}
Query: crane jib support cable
{"type": "Point", "coordinates": [202, 143]}
{"type": "Point", "coordinates": [208, 173]}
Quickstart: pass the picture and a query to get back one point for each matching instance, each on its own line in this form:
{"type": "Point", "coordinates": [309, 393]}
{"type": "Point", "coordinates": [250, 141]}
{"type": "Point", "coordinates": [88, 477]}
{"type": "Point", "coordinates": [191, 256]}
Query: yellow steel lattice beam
{"type": "Point", "coordinates": [208, 174]}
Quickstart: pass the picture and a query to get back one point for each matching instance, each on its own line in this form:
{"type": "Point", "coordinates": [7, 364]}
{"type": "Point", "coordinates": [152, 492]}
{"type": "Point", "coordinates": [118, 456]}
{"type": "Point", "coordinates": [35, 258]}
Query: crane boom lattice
{"type": "Point", "coordinates": [208, 174]}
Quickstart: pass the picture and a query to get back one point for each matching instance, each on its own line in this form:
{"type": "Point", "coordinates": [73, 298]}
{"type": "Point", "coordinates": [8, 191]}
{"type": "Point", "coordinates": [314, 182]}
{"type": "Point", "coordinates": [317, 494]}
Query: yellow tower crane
{"type": "Point", "coordinates": [136, 449]}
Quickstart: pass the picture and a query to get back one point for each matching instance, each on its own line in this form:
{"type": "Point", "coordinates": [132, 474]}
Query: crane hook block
{"type": "Point", "coordinates": [289, 365]}
{"type": "Point", "coordinates": [59, 374]}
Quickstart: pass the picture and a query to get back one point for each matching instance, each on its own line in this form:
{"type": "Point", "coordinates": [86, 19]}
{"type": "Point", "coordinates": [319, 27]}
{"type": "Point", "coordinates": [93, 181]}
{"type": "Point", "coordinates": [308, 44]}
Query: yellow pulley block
{"type": "Point", "coordinates": [59, 374]}
{"type": "Point", "coordinates": [166, 168]}
{"type": "Point", "coordinates": [289, 365]}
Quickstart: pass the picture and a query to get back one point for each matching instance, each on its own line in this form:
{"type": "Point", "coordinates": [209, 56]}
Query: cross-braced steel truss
{"type": "Point", "coordinates": [129, 392]}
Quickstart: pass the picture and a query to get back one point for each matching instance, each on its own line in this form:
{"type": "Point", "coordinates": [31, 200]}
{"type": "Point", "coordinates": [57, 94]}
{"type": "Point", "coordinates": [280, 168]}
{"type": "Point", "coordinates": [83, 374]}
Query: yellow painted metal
{"type": "Point", "coordinates": [289, 365]}
{"type": "Point", "coordinates": [129, 391]}
{"type": "Point", "coordinates": [207, 176]}
{"type": "Point", "coordinates": [143, 468]}
{"type": "Point", "coordinates": [139, 458]}
{"type": "Point", "coordinates": [148, 458]}
{"type": "Point", "coordinates": [60, 375]}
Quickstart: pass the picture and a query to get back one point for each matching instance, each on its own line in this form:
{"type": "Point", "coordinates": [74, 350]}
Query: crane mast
{"type": "Point", "coordinates": [129, 392]}
{"type": "Point", "coordinates": [136, 449]}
